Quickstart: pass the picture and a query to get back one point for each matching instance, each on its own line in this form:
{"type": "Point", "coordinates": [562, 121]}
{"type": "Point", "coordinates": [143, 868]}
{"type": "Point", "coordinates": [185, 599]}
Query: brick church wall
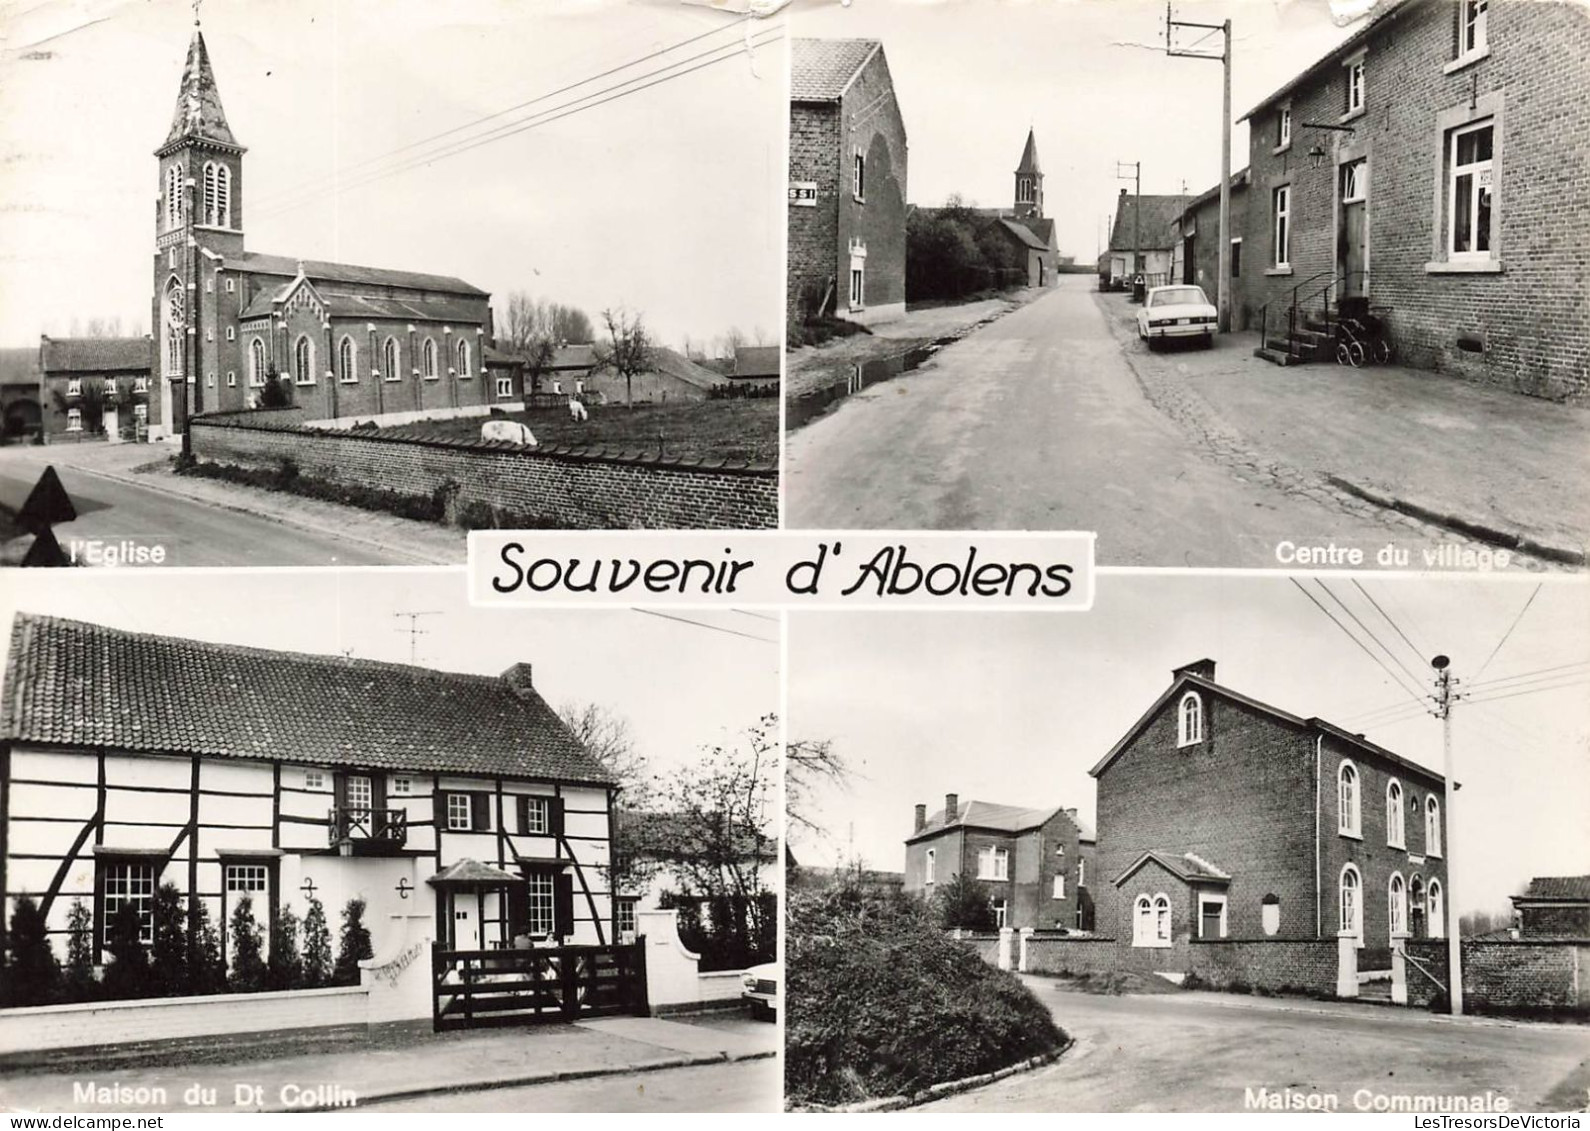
{"type": "Point", "coordinates": [565, 488]}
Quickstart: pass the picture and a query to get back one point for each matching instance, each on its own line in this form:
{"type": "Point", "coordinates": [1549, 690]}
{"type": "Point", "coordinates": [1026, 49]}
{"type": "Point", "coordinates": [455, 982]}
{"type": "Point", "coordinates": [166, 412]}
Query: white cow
{"type": "Point", "coordinates": [577, 410]}
{"type": "Point", "coordinates": [509, 431]}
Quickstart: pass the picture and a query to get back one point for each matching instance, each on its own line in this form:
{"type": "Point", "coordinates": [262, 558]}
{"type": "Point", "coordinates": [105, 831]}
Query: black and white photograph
{"type": "Point", "coordinates": [1234, 284]}
{"type": "Point", "coordinates": [1216, 845]}
{"type": "Point", "coordinates": [332, 284]}
{"type": "Point", "coordinates": [336, 841]}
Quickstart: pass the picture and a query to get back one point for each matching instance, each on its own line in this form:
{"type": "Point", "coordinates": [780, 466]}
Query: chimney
{"type": "Point", "coordinates": [1204, 669]}
{"type": "Point", "coordinates": [518, 680]}
{"type": "Point", "coordinates": [1072, 813]}
{"type": "Point", "coordinates": [952, 807]}
{"type": "Point", "coordinates": [921, 818]}
{"type": "Point", "coordinates": [1123, 190]}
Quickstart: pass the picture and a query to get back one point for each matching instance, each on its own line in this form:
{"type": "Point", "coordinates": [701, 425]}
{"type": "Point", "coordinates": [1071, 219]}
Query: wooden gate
{"type": "Point", "coordinates": [477, 988]}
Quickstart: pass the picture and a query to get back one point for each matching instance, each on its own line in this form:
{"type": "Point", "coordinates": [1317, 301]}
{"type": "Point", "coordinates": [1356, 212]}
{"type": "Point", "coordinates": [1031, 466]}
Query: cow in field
{"type": "Point", "coordinates": [508, 431]}
{"type": "Point", "coordinates": [577, 410]}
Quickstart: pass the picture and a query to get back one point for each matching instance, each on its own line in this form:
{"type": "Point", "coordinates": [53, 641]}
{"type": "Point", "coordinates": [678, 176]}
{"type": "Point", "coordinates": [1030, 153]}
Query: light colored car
{"type": "Point", "coordinates": [761, 990]}
{"type": "Point", "coordinates": [1179, 311]}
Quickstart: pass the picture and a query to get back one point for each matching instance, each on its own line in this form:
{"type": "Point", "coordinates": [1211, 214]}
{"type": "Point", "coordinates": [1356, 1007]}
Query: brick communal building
{"type": "Point", "coordinates": [349, 343]}
{"type": "Point", "coordinates": [847, 172]}
{"type": "Point", "coordinates": [458, 806]}
{"type": "Point", "coordinates": [94, 388]}
{"type": "Point", "coordinates": [1554, 906]}
{"type": "Point", "coordinates": [1434, 162]}
{"type": "Point", "coordinates": [20, 411]}
{"type": "Point", "coordinates": [1195, 257]}
{"type": "Point", "coordinates": [1143, 239]}
{"type": "Point", "coordinates": [1221, 817]}
{"type": "Point", "coordinates": [1036, 865]}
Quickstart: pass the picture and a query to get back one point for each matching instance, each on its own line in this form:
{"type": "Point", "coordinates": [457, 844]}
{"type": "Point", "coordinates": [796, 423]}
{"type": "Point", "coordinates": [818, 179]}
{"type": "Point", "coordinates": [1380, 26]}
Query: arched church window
{"type": "Point", "coordinates": [389, 360]}
{"type": "Point", "coordinates": [430, 358]}
{"type": "Point", "coordinates": [463, 357]}
{"type": "Point", "coordinates": [211, 202]}
{"type": "Point", "coordinates": [347, 361]}
{"type": "Point", "coordinates": [174, 197]}
{"type": "Point", "coordinates": [256, 363]}
{"type": "Point", "coordinates": [171, 329]}
{"type": "Point", "coordinates": [304, 361]}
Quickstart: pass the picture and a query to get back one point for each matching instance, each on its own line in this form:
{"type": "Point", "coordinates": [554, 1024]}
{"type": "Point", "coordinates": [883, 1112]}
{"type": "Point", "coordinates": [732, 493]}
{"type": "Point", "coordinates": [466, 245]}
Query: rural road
{"type": "Point", "coordinates": [745, 1085]}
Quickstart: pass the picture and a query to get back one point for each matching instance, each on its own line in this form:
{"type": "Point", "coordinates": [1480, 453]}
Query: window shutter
{"type": "Point", "coordinates": [339, 789]}
{"type": "Point", "coordinates": [480, 812]}
{"type": "Point", "coordinates": [439, 815]}
{"type": "Point", "coordinates": [378, 791]}
{"type": "Point", "coordinates": [555, 816]}
{"type": "Point", "coordinates": [518, 911]}
{"type": "Point", "coordinates": [563, 904]}
{"type": "Point", "coordinates": [522, 807]}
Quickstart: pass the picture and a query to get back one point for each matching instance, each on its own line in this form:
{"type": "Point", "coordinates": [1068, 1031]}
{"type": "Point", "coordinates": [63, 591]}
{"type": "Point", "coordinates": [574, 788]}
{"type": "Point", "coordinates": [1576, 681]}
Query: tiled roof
{"type": "Point", "coordinates": [95, 355]}
{"type": "Point", "coordinates": [74, 684]}
{"type": "Point", "coordinates": [667, 836]}
{"type": "Point", "coordinates": [1004, 818]}
{"type": "Point", "coordinates": [19, 366]}
{"type": "Point", "coordinates": [1029, 156]}
{"type": "Point", "coordinates": [1566, 889]}
{"type": "Point", "coordinates": [198, 112]}
{"type": "Point", "coordinates": [1022, 233]}
{"type": "Point", "coordinates": [677, 365]}
{"type": "Point", "coordinates": [472, 873]}
{"type": "Point", "coordinates": [1159, 212]}
{"type": "Point", "coordinates": [574, 357]}
{"type": "Point", "coordinates": [1239, 180]}
{"type": "Point", "coordinates": [1184, 866]}
{"type": "Point", "coordinates": [757, 361]}
{"type": "Point", "coordinates": [318, 270]}
{"type": "Point", "coordinates": [821, 70]}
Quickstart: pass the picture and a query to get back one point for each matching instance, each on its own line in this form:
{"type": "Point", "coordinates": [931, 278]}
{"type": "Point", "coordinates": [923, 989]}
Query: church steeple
{"type": "Point", "coordinates": [1029, 181]}
{"type": "Point", "coordinates": [199, 115]}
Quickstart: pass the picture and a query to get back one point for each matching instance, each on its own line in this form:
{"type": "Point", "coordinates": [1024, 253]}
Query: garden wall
{"type": "Point", "coordinates": [674, 981]}
{"type": "Point", "coordinates": [564, 488]}
{"type": "Point", "coordinates": [1507, 974]}
{"type": "Point", "coordinates": [1059, 954]}
{"type": "Point", "coordinates": [1278, 965]}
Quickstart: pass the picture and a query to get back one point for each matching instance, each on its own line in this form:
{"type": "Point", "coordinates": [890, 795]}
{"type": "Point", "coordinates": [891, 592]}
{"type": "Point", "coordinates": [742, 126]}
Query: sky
{"type": "Point", "coordinates": [1015, 708]}
{"type": "Point", "coordinates": [668, 202]}
{"type": "Point", "coordinates": [679, 686]}
{"type": "Point", "coordinates": [1090, 77]}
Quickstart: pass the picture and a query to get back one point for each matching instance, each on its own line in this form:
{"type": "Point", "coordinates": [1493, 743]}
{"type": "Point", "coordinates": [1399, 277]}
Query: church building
{"type": "Point", "coordinates": [346, 343]}
{"type": "Point", "coordinates": [1025, 226]}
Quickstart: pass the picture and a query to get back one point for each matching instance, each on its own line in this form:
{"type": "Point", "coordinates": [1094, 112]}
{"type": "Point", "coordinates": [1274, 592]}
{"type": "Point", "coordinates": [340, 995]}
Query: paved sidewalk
{"type": "Point", "coordinates": [423, 1064]}
{"type": "Point", "coordinates": [1476, 460]}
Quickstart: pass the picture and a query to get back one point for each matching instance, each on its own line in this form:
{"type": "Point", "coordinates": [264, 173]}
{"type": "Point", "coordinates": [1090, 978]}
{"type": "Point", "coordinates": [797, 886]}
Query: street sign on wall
{"type": "Point", "coordinates": [803, 194]}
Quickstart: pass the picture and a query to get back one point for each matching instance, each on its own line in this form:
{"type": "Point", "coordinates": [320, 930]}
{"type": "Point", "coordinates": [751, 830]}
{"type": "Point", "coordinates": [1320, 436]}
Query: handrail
{"type": "Point", "coordinates": [1406, 957]}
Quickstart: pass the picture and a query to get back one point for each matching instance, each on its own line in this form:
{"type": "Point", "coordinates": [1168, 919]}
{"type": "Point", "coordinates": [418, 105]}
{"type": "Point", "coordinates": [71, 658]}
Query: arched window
{"type": "Point", "coordinates": [463, 357]}
{"type": "Point", "coordinates": [929, 867]}
{"type": "Point", "coordinates": [256, 363]}
{"type": "Point", "coordinates": [1432, 826]}
{"type": "Point", "coordinates": [389, 360]}
{"type": "Point", "coordinates": [1347, 817]}
{"type": "Point", "coordinates": [211, 196]}
{"type": "Point", "coordinates": [347, 361]}
{"type": "Point", "coordinates": [1190, 720]}
{"type": "Point", "coordinates": [429, 353]}
{"type": "Point", "coordinates": [174, 189]}
{"type": "Point", "coordinates": [1143, 922]}
{"type": "Point", "coordinates": [1436, 912]}
{"type": "Point", "coordinates": [1396, 905]}
{"type": "Point", "coordinates": [304, 360]}
{"type": "Point", "coordinates": [1351, 906]}
{"type": "Point", "coordinates": [1162, 920]}
{"type": "Point", "coordinates": [223, 195]}
{"type": "Point", "coordinates": [1394, 814]}
{"type": "Point", "coordinates": [171, 313]}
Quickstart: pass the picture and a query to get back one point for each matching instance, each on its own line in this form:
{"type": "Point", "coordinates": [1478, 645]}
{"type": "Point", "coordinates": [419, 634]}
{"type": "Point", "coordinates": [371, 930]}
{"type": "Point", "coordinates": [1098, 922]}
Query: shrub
{"type": "Point", "coordinates": [881, 1002]}
{"type": "Point", "coordinates": [354, 945]}
{"type": "Point", "coordinates": [33, 975]}
{"type": "Point", "coordinates": [81, 982]}
{"type": "Point", "coordinates": [317, 946]}
{"type": "Point", "coordinates": [169, 953]}
{"type": "Point", "coordinates": [963, 903]}
{"type": "Point", "coordinates": [206, 967]}
{"type": "Point", "coordinates": [736, 931]}
{"type": "Point", "coordinates": [277, 393]}
{"type": "Point", "coordinates": [127, 975]}
{"type": "Point", "coordinates": [286, 967]}
{"type": "Point", "coordinates": [248, 962]}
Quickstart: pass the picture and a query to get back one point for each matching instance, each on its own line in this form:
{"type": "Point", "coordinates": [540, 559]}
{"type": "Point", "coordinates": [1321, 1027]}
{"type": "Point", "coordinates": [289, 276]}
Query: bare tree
{"type": "Point", "coordinates": [538, 358]}
{"type": "Point", "coordinates": [606, 735]}
{"type": "Point", "coordinates": [627, 351]}
{"type": "Point", "coordinates": [811, 764]}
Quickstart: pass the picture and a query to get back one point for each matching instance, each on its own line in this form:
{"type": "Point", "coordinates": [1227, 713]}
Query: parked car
{"type": "Point", "coordinates": [1179, 311]}
{"type": "Point", "coordinates": [761, 990]}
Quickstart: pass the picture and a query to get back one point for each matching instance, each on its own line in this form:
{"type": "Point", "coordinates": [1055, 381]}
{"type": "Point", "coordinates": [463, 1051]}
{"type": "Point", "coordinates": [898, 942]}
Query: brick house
{"type": "Point", "coordinates": [351, 343]}
{"type": "Point", "coordinates": [1036, 865]}
{"type": "Point", "coordinates": [1554, 906]}
{"type": "Point", "coordinates": [672, 377]}
{"type": "Point", "coordinates": [1221, 817]}
{"type": "Point", "coordinates": [458, 806]}
{"type": "Point", "coordinates": [847, 171]}
{"type": "Point", "coordinates": [1431, 164]}
{"type": "Point", "coordinates": [1143, 239]}
{"type": "Point", "coordinates": [756, 366]}
{"type": "Point", "coordinates": [20, 407]}
{"type": "Point", "coordinates": [94, 388]}
{"type": "Point", "coordinates": [1195, 257]}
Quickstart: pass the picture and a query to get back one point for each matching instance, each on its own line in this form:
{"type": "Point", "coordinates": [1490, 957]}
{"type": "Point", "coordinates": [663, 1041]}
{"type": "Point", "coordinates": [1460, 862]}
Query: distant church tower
{"type": "Point", "coordinates": [199, 210]}
{"type": "Point", "coordinates": [1029, 182]}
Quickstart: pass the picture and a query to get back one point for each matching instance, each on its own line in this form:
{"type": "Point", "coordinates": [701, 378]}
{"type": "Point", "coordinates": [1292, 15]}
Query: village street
{"type": "Point", "coordinates": [749, 1085]}
{"type": "Point", "coordinates": [1056, 417]}
{"type": "Point", "coordinates": [1204, 1052]}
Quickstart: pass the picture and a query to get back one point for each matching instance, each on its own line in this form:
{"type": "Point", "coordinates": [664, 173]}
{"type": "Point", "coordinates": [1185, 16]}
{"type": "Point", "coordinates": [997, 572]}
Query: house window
{"type": "Point", "coordinates": [140, 384]}
{"type": "Point", "coordinates": [541, 905]}
{"type": "Point", "coordinates": [537, 816]}
{"type": "Point", "coordinates": [1059, 887]}
{"type": "Point", "coordinates": [858, 177]}
{"type": "Point", "coordinates": [1082, 873]}
{"type": "Point", "coordinates": [1143, 922]}
{"type": "Point", "coordinates": [314, 780]}
{"type": "Point", "coordinates": [1350, 905]}
{"type": "Point", "coordinates": [1347, 815]}
{"type": "Point", "coordinates": [246, 878]}
{"type": "Point", "coordinates": [1283, 136]}
{"type": "Point", "coordinates": [304, 361]}
{"type": "Point", "coordinates": [256, 363]}
{"type": "Point", "coordinates": [1355, 85]}
{"type": "Point", "coordinates": [74, 387]}
{"type": "Point", "coordinates": [1473, 16]}
{"type": "Point", "coordinates": [505, 386]}
{"type": "Point", "coordinates": [428, 356]}
{"type": "Point", "coordinates": [140, 414]}
{"type": "Point", "coordinates": [389, 360]}
{"type": "Point", "coordinates": [1435, 914]}
{"type": "Point", "coordinates": [1396, 906]}
{"type": "Point", "coordinates": [231, 286]}
{"type": "Point", "coordinates": [1394, 815]}
{"type": "Point", "coordinates": [1281, 207]}
{"type": "Point", "coordinates": [74, 420]}
{"type": "Point", "coordinates": [993, 863]}
{"type": "Point", "coordinates": [1211, 916]}
{"type": "Point", "coordinates": [1432, 826]}
{"type": "Point", "coordinates": [856, 286]}
{"type": "Point", "coordinates": [128, 881]}
{"type": "Point", "coordinates": [459, 813]}
{"type": "Point", "coordinates": [1236, 258]}
{"type": "Point", "coordinates": [624, 917]}
{"type": "Point", "coordinates": [1470, 192]}
{"type": "Point", "coordinates": [463, 358]}
{"type": "Point", "coordinates": [347, 360]}
{"type": "Point", "coordinates": [1355, 185]}
{"type": "Point", "coordinates": [557, 387]}
{"type": "Point", "coordinates": [402, 787]}
{"type": "Point", "coordinates": [1161, 920]}
{"type": "Point", "coordinates": [359, 792]}
{"type": "Point", "coordinates": [1190, 720]}
{"type": "Point", "coordinates": [930, 867]}
{"type": "Point", "coordinates": [1000, 912]}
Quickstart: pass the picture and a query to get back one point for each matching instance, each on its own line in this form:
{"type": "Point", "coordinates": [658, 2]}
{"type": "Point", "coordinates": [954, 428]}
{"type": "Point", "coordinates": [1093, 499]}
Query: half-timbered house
{"type": "Point", "coordinates": [130, 760]}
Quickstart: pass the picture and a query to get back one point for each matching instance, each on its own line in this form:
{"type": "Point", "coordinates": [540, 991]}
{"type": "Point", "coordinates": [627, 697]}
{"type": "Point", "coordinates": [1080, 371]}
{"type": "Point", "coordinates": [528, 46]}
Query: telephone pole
{"type": "Point", "coordinates": [1223, 299]}
{"type": "Point", "coordinates": [1137, 213]}
{"type": "Point", "coordinates": [1445, 697]}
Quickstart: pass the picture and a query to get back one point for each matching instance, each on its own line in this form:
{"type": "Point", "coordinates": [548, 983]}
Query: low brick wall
{"type": "Point", "coordinates": [118, 1022]}
{"type": "Point", "coordinates": [1061, 955]}
{"type": "Point", "coordinates": [986, 946]}
{"type": "Point", "coordinates": [1278, 965]}
{"type": "Point", "coordinates": [571, 489]}
{"type": "Point", "coordinates": [1507, 974]}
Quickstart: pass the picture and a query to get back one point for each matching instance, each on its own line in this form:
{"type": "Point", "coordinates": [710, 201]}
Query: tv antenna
{"type": "Point", "coordinates": [415, 631]}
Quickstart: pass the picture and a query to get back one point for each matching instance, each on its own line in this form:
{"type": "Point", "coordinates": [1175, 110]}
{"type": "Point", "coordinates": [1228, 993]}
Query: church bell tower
{"type": "Point", "coordinates": [1029, 182]}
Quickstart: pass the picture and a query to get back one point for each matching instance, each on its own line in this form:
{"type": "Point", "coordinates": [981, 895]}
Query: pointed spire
{"type": "Point", "coordinates": [1029, 155]}
{"type": "Point", "coordinates": [199, 113]}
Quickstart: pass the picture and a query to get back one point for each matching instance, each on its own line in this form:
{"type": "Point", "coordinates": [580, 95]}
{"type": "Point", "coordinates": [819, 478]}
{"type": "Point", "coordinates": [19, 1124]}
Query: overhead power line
{"type": "Point", "coordinates": [704, 624]}
{"type": "Point", "coordinates": [1528, 677]}
{"type": "Point", "coordinates": [1348, 633]}
{"type": "Point", "coordinates": [1416, 692]}
{"type": "Point", "coordinates": [1509, 631]}
{"type": "Point", "coordinates": [1514, 693]}
{"type": "Point", "coordinates": [1387, 618]}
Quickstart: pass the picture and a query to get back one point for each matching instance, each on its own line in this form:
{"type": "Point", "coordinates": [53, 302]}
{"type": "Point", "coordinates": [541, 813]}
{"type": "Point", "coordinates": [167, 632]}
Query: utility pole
{"type": "Point", "coordinates": [1223, 299]}
{"type": "Point", "coordinates": [1454, 942]}
{"type": "Point", "coordinates": [1137, 213]}
{"type": "Point", "coordinates": [415, 631]}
